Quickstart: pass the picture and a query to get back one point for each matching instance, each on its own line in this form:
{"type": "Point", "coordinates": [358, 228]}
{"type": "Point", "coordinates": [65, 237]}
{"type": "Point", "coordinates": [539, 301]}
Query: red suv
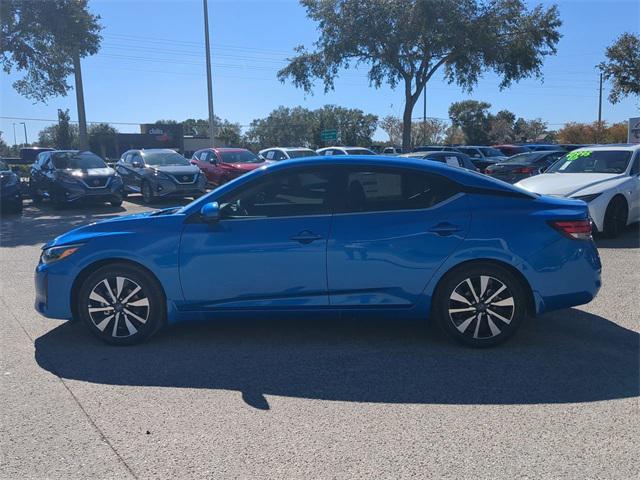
{"type": "Point", "coordinates": [221, 165]}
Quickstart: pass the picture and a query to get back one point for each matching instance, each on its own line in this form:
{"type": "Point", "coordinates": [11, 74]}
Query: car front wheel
{"type": "Point", "coordinates": [480, 305]}
{"type": "Point", "coordinates": [147, 193]}
{"type": "Point", "coordinates": [121, 304]}
{"type": "Point", "coordinates": [615, 217]}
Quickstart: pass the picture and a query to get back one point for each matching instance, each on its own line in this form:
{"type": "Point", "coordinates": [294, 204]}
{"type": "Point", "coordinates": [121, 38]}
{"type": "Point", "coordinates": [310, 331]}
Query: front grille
{"type": "Point", "coordinates": [96, 182]}
{"type": "Point", "coordinates": [186, 178]}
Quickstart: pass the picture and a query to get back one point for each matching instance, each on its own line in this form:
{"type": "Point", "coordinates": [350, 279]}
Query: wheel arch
{"type": "Point", "coordinates": [88, 269]}
{"type": "Point", "coordinates": [530, 302]}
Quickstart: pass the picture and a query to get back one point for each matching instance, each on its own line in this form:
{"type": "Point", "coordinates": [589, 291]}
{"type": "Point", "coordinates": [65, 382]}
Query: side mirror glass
{"type": "Point", "coordinates": [210, 212]}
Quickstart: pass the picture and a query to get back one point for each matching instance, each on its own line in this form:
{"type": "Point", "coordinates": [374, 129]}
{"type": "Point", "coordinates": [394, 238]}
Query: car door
{"type": "Point", "coordinates": [123, 167]}
{"type": "Point", "coordinates": [36, 172]}
{"type": "Point", "coordinates": [267, 250]}
{"type": "Point", "coordinates": [394, 229]}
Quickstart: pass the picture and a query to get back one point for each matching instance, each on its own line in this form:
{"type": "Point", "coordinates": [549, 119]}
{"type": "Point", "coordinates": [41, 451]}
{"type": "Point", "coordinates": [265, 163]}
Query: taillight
{"type": "Point", "coordinates": [576, 229]}
{"type": "Point", "coordinates": [526, 170]}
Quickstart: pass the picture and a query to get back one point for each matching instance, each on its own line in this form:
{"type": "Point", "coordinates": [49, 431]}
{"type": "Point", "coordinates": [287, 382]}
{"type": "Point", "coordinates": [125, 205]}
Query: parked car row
{"type": "Point", "coordinates": [607, 177]}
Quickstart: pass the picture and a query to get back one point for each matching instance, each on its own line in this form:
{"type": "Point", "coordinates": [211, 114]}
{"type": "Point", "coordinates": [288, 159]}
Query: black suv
{"type": "Point", "coordinates": [10, 196]}
{"type": "Point", "coordinates": [157, 173]}
{"type": "Point", "coordinates": [69, 176]}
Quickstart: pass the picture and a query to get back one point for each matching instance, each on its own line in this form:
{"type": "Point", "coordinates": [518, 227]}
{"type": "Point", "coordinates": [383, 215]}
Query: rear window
{"type": "Point", "coordinates": [77, 161]}
{"type": "Point", "coordinates": [359, 151]}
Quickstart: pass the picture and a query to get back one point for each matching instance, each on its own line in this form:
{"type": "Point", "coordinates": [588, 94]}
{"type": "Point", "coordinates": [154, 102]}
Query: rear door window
{"type": "Point", "coordinates": [378, 190]}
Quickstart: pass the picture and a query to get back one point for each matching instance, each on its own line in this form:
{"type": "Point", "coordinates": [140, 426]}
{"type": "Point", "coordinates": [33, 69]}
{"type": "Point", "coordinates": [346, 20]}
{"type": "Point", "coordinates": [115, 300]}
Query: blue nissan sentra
{"type": "Point", "coordinates": [395, 236]}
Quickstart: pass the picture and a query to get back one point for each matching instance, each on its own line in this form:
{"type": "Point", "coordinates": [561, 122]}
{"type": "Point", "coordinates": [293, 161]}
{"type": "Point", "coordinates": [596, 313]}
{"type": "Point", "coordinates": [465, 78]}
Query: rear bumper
{"type": "Point", "coordinates": [565, 274]}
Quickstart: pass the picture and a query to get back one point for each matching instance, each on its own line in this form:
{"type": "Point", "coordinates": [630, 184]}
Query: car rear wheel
{"type": "Point", "coordinates": [615, 217]}
{"type": "Point", "coordinates": [121, 304]}
{"type": "Point", "coordinates": [147, 193]}
{"type": "Point", "coordinates": [480, 305]}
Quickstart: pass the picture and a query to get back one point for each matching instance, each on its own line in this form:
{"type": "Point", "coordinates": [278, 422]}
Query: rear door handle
{"type": "Point", "coordinates": [444, 229]}
{"type": "Point", "coordinates": [306, 237]}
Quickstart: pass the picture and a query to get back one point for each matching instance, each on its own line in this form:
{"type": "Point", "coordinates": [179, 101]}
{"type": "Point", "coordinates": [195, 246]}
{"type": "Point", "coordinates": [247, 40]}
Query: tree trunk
{"type": "Point", "coordinates": [406, 124]}
{"type": "Point", "coordinates": [82, 118]}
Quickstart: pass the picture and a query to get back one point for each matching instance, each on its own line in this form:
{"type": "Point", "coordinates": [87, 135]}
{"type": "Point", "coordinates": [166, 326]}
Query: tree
{"type": "Point", "coordinates": [407, 41]}
{"type": "Point", "coordinates": [472, 117]}
{"type": "Point", "coordinates": [616, 133]}
{"type": "Point", "coordinates": [529, 130]}
{"type": "Point", "coordinates": [622, 67]}
{"type": "Point", "coordinates": [102, 138]}
{"type": "Point", "coordinates": [62, 135]}
{"type": "Point", "coordinates": [353, 125]}
{"type": "Point", "coordinates": [501, 127]}
{"type": "Point", "coordinates": [229, 133]}
{"type": "Point", "coordinates": [574, 132]}
{"type": "Point", "coordinates": [46, 40]}
{"type": "Point", "coordinates": [392, 126]}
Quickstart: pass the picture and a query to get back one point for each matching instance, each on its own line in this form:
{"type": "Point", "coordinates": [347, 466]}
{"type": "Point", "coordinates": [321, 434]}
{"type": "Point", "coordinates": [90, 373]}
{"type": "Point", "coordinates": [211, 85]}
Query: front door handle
{"type": "Point", "coordinates": [306, 237]}
{"type": "Point", "coordinates": [444, 229]}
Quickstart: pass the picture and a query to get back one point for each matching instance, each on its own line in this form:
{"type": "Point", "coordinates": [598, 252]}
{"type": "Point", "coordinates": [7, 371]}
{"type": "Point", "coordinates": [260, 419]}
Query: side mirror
{"type": "Point", "coordinates": [210, 212]}
{"type": "Point", "coordinates": [136, 164]}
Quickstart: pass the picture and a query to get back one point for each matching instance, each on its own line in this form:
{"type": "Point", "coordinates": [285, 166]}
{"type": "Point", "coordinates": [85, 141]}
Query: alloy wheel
{"type": "Point", "coordinates": [118, 306]}
{"type": "Point", "coordinates": [481, 306]}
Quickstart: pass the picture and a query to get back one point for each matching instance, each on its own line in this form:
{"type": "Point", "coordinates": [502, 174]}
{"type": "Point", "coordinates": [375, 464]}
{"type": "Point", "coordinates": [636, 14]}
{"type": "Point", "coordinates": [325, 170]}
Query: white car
{"type": "Point", "coordinates": [275, 154]}
{"type": "Point", "coordinates": [607, 177]}
{"type": "Point", "coordinates": [344, 151]}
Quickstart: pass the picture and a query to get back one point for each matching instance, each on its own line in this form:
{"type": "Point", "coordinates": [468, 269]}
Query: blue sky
{"type": "Point", "coordinates": [151, 66]}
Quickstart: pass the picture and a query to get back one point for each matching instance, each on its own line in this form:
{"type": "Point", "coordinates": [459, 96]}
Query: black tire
{"type": "Point", "coordinates": [58, 203]}
{"type": "Point", "coordinates": [135, 315]}
{"type": "Point", "coordinates": [147, 193]}
{"type": "Point", "coordinates": [33, 193]}
{"type": "Point", "coordinates": [492, 319]}
{"type": "Point", "coordinates": [116, 203]}
{"type": "Point", "coordinates": [615, 217]}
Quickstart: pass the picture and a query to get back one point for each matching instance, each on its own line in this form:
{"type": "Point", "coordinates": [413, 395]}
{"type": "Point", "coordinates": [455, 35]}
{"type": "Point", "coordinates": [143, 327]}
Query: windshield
{"type": "Point", "coordinates": [592, 161]}
{"type": "Point", "coordinates": [164, 158]}
{"type": "Point", "coordinates": [77, 161]}
{"type": "Point", "coordinates": [491, 152]}
{"type": "Point", "coordinates": [3, 166]}
{"type": "Point", "coordinates": [301, 153]}
{"type": "Point", "coordinates": [521, 158]}
{"type": "Point", "coordinates": [428, 149]}
{"type": "Point", "coordinates": [240, 156]}
{"type": "Point", "coordinates": [358, 151]}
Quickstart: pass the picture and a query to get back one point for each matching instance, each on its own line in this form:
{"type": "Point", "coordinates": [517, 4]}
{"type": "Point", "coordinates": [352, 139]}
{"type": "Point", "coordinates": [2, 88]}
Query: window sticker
{"type": "Point", "coordinates": [578, 154]}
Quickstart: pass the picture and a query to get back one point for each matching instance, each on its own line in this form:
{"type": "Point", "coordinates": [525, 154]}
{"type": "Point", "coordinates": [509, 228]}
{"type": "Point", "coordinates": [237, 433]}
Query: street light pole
{"type": "Point", "coordinates": [209, 81]}
{"type": "Point", "coordinates": [82, 117]}
{"type": "Point", "coordinates": [15, 142]}
{"type": "Point", "coordinates": [25, 133]}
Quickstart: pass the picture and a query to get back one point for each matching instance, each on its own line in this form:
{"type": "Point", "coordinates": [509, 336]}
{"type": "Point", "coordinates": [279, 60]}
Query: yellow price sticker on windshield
{"type": "Point", "coordinates": [576, 155]}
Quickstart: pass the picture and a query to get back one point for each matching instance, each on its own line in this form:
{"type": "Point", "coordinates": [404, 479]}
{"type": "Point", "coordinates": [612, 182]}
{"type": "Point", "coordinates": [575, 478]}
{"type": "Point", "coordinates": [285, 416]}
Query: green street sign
{"type": "Point", "coordinates": [329, 134]}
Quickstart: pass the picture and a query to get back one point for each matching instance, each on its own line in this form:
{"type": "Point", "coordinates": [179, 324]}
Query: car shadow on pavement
{"type": "Point", "coordinates": [630, 238]}
{"type": "Point", "coordinates": [567, 356]}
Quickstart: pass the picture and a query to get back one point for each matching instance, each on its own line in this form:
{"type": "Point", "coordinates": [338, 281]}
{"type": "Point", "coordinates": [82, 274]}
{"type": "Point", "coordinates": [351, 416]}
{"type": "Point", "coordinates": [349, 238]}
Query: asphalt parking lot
{"type": "Point", "coordinates": [316, 399]}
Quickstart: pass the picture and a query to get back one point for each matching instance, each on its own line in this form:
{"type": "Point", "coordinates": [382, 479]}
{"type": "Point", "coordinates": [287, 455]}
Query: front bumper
{"type": "Point", "coordinates": [167, 187]}
{"type": "Point", "coordinates": [53, 293]}
{"type": "Point", "coordinates": [69, 192]}
{"type": "Point", "coordinates": [10, 195]}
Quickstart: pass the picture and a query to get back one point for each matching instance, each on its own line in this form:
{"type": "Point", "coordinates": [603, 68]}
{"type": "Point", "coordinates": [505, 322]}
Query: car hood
{"type": "Point", "coordinates": [569, 184]}
{"type": "Point", "coordinates": [112, 226]}
{"type": "Point", "coordinates": [176, 169]}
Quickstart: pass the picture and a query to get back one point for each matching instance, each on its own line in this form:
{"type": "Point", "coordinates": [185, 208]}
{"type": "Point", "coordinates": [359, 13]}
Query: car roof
{"type": "Point", "coordinates": [630, 147]}
{"type": "Point", "coordinates": [287, 149]}
{"type": "Point", "coordinates": [147, 150]}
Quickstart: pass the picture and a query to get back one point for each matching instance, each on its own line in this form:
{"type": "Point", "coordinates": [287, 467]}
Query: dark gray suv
{"type": "Point", "coordinates": [159, 173]}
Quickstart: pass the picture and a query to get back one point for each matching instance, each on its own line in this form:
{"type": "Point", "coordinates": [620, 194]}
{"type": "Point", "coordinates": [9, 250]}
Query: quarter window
{"type": "Point", "coordinates": [374, 190]}
{"type": "Point", "coordinates": [304, 192]}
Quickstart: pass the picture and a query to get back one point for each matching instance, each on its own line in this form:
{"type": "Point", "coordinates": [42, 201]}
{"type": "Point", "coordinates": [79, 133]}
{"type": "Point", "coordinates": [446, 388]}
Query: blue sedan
{"type": "Point", "coordinates": [398, 236]}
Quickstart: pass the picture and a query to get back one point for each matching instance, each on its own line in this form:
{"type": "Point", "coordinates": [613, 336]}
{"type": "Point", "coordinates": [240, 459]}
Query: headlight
{"type": "Point", "coordinates": [54, 254]}
{"type": "Point", "coordinates": [10, 181]}
{"type": "Point", "coordinates": [587, 198]}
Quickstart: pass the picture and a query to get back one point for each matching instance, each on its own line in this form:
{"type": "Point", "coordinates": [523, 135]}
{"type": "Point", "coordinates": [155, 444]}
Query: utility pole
{"type": "Point", "coordinates": [82, 118]}
{"type": "Point", "coordinates": [209, 81]}
{"type": "Point", "coordinates": [25, 133]}
{"type": "Point", "coordinates": [599, 111]}
{"type": "Point", "coordinates": [15, 142]}
{"type": "Point", "coordinates": [424, 115]}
